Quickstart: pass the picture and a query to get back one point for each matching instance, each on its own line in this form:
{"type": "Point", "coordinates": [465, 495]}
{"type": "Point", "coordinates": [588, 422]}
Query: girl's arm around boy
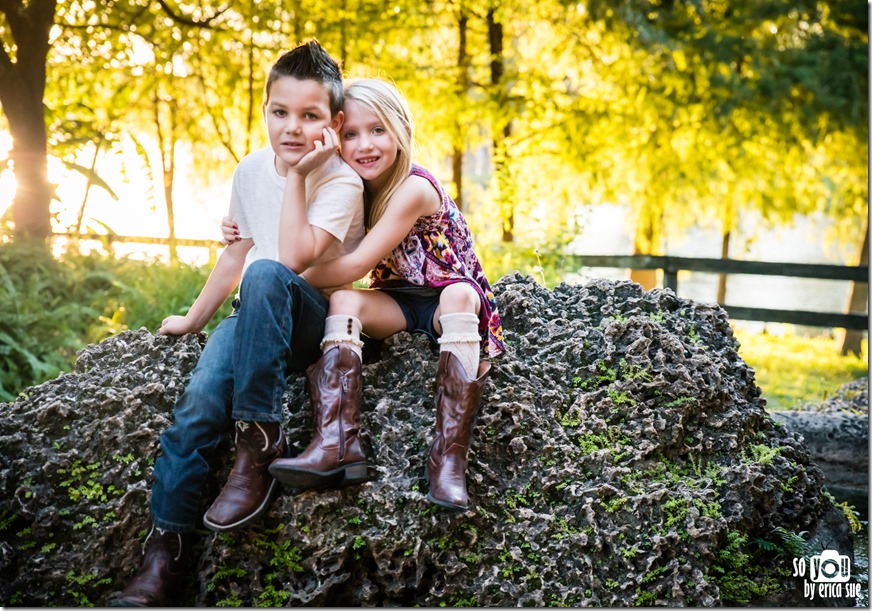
{"type": "Point", "coordinates": [413, 199]}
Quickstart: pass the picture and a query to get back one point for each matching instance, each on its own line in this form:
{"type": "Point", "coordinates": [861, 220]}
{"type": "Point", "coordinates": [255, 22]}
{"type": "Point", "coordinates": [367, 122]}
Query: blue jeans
{"type": "Point", "coordinates": [276, 328]}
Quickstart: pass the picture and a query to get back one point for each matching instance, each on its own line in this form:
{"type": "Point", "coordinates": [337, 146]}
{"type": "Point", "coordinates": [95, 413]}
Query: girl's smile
{"type": "Point", "coordinates": [367, 146]}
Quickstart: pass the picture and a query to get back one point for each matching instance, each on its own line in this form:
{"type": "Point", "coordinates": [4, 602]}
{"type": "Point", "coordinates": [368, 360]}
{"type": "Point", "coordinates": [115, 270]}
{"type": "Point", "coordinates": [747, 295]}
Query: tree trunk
{"type": "Point", "coordinates": [649, 217]}
{"type": "Point", "coordinates": [343, 37]}
{"type": "Point", "coordinates": [646, 277]}
{"type": "Point", "coordinates": [22, 86]}
{"type": "Point", "coordinates": [31, 206]}
{"type": "Point", "coordinates": [505, 186]}
{"type": "Point", "coordinates": [852, 340]}
{"type": "Point", "coordinates": [249, 115]}
{"type": "Point", "coordinates": [298, 21]}
{"type": "Point", "coordinates": [457, 176]}
{"type": "Point", "coordinates": [458, 146]}
{"type": "Point", "coordinates": [502, 128]}
{"type": "Point", "coordinates": [722, 278]}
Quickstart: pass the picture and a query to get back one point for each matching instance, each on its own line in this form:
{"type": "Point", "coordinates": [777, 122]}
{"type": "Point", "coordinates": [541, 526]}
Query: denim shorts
{"type": "Point", "coordinates": [418, 304]}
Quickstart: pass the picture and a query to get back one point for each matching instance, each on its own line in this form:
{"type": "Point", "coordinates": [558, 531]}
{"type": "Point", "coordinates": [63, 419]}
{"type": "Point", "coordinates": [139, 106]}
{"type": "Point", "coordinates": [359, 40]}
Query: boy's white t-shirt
{"type": "Point", "coordinates": [334, 202]}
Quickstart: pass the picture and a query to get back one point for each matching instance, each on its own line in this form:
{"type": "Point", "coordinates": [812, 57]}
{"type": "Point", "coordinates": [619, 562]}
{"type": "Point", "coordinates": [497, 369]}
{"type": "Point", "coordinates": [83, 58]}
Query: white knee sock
{"type": "Point", "coordinates": [342, 329]}
{"type": "Point", "coordinates": [460, 337]}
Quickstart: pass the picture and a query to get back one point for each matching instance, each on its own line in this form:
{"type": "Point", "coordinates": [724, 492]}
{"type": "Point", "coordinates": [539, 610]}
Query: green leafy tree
{"type": "Point", "coordinates": [683, 111]}
{"type": "Point", "coordinates": [730, 109]}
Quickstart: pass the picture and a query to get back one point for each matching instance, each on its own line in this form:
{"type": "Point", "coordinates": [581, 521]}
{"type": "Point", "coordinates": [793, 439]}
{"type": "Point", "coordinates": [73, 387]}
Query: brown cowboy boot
{"type": "Point", "coordinates": [250, 487]}
{"type": "Point", "coordinates": [334, 457]}
{"type": "Point", "coordinates": [457, 399]}
{"type": "Point", "coordinates": [160, 575]}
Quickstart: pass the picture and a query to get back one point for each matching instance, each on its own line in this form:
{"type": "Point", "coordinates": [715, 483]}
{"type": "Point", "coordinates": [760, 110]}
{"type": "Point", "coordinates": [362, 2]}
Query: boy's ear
{"type": "Point", "coordinates": [337, 121]}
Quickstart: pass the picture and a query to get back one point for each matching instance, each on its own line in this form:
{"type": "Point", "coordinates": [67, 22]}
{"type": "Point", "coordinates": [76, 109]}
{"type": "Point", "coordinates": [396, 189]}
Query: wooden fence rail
{"type": "Point", "coordinates": [211, 245]}
{"type": "Point", "coordinates": [672, 265]}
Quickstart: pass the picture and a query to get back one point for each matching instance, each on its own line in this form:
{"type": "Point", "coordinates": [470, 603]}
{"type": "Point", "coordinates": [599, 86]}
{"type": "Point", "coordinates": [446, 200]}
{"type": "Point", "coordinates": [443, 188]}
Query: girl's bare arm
{"type": "Point", "coordinates": [415, 198]}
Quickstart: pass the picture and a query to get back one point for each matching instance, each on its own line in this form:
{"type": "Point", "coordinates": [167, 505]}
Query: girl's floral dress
{"type": "Point", "coordinates": [438, 251]}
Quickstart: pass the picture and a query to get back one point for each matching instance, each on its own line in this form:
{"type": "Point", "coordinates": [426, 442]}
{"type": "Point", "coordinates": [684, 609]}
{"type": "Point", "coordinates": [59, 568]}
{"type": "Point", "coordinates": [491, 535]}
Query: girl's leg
{"type": "Point", "coordinates": [459, 382]}
{"type": "Point", "coordinates": [456, 320]}
{"type": "Point", "coordinates": [335, 456]}
{"type": "Point", "coordinates": [379, 314]}
{"type": "Point", "coordinates": [360, 309]}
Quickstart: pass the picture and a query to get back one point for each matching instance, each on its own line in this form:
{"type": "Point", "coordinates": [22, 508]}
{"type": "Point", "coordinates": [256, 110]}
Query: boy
{"type": "Point", "coordinates": [291, 214]}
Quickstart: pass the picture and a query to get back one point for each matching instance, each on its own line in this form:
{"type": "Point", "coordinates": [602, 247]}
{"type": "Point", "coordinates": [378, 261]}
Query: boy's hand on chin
{"type": "Point", "coordinates": [324, 150]}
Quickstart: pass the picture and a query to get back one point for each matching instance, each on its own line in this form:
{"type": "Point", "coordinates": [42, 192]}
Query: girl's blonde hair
{"type": "Point", "coordinates": [386, 102]}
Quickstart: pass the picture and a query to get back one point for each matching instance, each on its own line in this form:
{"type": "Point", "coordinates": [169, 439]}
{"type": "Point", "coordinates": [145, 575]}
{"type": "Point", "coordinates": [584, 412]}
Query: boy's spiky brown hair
{"type": "Point", "coordinates": [309, 61]}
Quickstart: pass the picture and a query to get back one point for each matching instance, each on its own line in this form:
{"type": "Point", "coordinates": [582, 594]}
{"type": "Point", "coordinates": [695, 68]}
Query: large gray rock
{"type": "Point", "coordinates": [836, 432]}
{"type": "Point", "coordinates": [622, 456]}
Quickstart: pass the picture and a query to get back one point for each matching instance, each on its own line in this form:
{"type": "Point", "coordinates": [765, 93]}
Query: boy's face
{"type": "Point", "coordinates": [295, 115]}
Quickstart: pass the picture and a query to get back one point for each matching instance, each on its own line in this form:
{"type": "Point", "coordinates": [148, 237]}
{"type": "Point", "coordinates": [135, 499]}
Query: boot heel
{"type": "Point", "coordinates": [355, 474]}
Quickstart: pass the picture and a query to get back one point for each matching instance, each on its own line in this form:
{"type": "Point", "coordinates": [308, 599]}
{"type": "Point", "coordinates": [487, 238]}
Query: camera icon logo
{"type": "Point", "coordinates": [830, 567]}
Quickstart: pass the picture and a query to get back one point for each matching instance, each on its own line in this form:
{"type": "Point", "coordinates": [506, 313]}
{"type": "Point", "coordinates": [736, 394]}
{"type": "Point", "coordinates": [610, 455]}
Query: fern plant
{"type": "Point", "coordinates": [54, 307]}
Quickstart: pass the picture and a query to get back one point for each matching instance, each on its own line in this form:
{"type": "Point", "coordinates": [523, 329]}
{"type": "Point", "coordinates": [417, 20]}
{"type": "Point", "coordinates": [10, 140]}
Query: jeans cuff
{"type": "Point", "coordinates": [241, 414]}
{"type": "Point", "coordinates": [173, 526]}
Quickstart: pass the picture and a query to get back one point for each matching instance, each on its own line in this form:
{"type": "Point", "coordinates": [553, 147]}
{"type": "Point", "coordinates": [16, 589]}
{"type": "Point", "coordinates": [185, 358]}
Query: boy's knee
{"type": "Point", "coordinates": [266, 274]}
{"type": "Point", "coordinates": [261, 271]}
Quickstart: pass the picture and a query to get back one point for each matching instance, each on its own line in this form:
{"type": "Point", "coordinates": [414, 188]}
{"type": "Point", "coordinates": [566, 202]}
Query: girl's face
{"type": "Point", "coordinates": [367, 145]}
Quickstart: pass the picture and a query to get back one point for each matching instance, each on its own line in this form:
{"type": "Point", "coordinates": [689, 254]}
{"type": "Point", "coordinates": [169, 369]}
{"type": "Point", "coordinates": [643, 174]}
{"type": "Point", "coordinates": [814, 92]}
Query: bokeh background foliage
{"type": "Point", "coordinates": [688, 113]}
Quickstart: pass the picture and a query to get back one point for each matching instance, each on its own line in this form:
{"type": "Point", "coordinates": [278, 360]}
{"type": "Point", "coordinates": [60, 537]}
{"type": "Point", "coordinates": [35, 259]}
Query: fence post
{"type": "Point", "coordinates": [852, 340]}
{"type": "Point", "coordinates": [670, 275]}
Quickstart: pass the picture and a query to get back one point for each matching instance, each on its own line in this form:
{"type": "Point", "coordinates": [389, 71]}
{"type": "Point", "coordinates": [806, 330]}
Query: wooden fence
{"type": "Point", "coordinates": [672, 265]}
{"type": "Point", "coordinates": [211, 245]}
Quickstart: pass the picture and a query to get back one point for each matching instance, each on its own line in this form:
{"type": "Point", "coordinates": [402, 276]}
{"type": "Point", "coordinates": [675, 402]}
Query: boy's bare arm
{"type": "Point", "coordinates": [300, 243]}
{"type": "Point", "coordinates": [220, 284]}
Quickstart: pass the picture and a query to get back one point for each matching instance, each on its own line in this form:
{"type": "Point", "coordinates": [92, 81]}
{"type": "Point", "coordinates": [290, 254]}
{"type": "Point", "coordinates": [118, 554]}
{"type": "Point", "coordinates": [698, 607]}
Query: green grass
{"type": "Point", "coordinates": [793, 370]}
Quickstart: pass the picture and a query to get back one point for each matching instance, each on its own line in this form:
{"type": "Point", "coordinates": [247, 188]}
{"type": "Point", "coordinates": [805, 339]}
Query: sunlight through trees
{"type": "Point", "coordinates": [687, 112]}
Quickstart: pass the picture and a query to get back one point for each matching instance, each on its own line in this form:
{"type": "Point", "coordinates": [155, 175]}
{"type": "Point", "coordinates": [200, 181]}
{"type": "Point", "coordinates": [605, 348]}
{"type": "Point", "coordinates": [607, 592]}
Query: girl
{"type": "Point", "coordinates": [425, 278]}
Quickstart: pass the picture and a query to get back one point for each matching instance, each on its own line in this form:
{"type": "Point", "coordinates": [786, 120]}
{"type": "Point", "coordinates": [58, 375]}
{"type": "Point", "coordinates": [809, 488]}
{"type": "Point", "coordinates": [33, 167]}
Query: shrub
{"type": "Point", "coordinates": [55, 306]}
